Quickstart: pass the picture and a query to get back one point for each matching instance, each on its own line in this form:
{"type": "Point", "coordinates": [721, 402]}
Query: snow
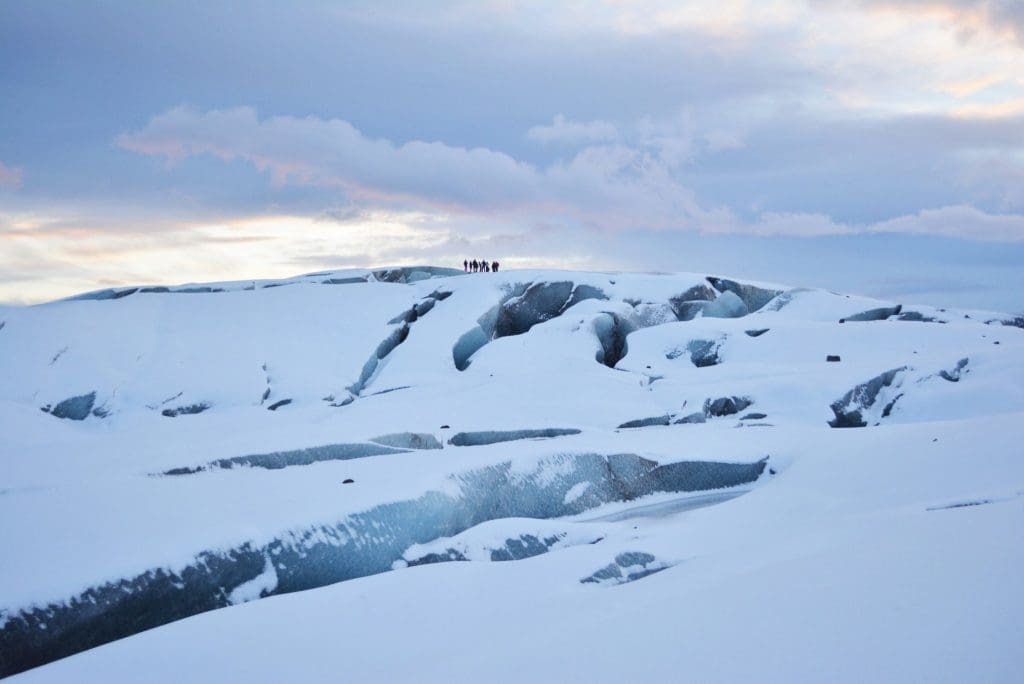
{"type": "Point", "coordinates": [888, 553]}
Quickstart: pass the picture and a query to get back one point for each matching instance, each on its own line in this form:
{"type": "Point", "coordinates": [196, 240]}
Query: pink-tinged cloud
{"type": "Point", "coordinates": [627, 184]}
{"type": "Point", "coordinates": [1005, 17]}
{"type": "Point", "coordinates": [9, 176]}
{"type": "Point", "coordinates": [606, 185]}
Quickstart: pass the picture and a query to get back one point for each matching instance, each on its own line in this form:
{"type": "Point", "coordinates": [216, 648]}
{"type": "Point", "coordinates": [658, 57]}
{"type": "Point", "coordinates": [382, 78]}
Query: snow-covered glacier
{"type": "Point", "coordinates": [353, 455]}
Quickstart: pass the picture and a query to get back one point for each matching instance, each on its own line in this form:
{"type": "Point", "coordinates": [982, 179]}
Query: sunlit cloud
{"type": "Point", "coordinates": [10, 176]}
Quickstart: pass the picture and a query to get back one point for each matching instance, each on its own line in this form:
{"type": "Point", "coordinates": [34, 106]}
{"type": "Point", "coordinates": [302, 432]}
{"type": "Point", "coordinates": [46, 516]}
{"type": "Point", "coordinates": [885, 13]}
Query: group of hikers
{"type": "Point", "coordinates": [481, 266]}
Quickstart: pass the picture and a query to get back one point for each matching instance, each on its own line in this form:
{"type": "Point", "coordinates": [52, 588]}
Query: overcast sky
{"type": "Point", "coordinates": [868, 146]}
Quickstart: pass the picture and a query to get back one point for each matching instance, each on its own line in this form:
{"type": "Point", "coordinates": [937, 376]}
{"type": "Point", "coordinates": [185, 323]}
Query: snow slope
{"type": "Point", "coordinates": [604, 476]}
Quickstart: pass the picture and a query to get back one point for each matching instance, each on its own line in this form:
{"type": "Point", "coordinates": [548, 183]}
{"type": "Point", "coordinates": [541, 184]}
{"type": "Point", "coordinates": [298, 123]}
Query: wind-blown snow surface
{"type": "Point", "coordinates": [666, 463]}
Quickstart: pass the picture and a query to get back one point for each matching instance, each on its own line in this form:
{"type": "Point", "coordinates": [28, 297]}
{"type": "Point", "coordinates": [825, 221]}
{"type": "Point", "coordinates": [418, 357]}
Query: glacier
{"type": "Point", "coordinates": [574, 450]}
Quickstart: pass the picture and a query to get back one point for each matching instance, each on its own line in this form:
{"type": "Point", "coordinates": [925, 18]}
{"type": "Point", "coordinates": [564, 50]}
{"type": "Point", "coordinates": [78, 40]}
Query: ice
{"type": "Point", "coordinates": [74, 408]}
{"type": "Point", "coordinates": [688, 304]}
{"type": "Point", "coordinates": [704, 353]}
{"type": "Point", "coordinates": [409, 440]}
{"type": "Point", "coordinates": [361, 544]}
{"type": "Point", "coordinates": [101, 544]}
{"type": "Point", "coordinates": [954, 375]}
{"type": "Point", "coordinates": [522, 307]}
{"type": "Point", "coordinates": [628, 567]}
{"type": "Point", "coordinates": [391, 342]}
{"type": "Point", "coordinates": [851, 408]}
{"type": "Point", "coordinates": [752, 296]}
{"type": "Point", "coordinates": [879, 314]}
{"type": "Point", "coordinates": [186, 410]}
{"type": "Point", "coordinates": [728, 305]}
{"type": "Point", "coordinates": [508, 539]}
{"type": "Point", "coordinates": [611, 331]}
{"type": "Point", "coordinates": [258, 587]}
{"type": "Point", "coordinates": [344, 281]}
{"type": "Point", "coordinates": [278, 404]}
{"type": "Point", "coordinates": [494, 436]}
{"type": "Point", "coordinates": [646, 422]}
{"type": "Point", "coordinates": [412, 274]}
{"type": "Point", "coordinates": [918, 317]}
{"type": "Point", "coordinates": [297, 457]}
{"type": "Point", "coordinates": [725, 406]}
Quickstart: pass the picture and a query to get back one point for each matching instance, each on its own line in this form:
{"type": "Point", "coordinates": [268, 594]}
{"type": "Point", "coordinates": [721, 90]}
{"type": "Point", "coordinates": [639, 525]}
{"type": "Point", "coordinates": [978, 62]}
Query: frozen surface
{"type": "Point", "coordinates": [651, 454]}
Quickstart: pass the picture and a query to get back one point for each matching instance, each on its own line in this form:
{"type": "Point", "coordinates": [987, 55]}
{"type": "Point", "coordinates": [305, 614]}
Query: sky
{"type": "Point", "coordinates": [866, 146]}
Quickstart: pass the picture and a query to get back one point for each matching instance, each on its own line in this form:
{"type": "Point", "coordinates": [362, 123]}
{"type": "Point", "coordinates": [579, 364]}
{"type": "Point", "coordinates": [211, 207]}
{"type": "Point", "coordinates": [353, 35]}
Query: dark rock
{"type": "Point", "coordinates": [832, 358]}
{"type": "Point", "coordinates": [757, 333]}
{"type": "Point", "coordinates": [347, 480]}
{"type": "Point", "coordinates": [754, 416]}
{"type": "Point", "coordinates": [697, 417]}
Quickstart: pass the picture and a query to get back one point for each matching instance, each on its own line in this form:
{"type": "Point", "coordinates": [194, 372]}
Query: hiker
{"type": "Point", "coordinates": [494, 267]}
{"type": "Point", "coordinates": [465, 265]}
{"type": "Point", "coordinates": [472, 265]}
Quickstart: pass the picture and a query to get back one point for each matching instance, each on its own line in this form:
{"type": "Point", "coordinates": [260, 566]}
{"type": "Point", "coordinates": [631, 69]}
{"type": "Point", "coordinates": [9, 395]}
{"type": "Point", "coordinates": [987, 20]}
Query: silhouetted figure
{"type": "Point", "coordinates": [465, 265]}
{"type": "Point", "coordinates": [494, 267]}
{"type": "Point", "coordinates": [472, 265]}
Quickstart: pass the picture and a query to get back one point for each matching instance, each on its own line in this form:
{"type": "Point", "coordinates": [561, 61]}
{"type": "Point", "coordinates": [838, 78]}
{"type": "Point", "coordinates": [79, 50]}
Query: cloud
{"type": "Point", "coordinates": [562, 130]}
{"type": "Point", "coordinates": [332, 152]}
{"type": "Point", "coordinates": [956, 221]}
{"type": "Point", "coordinates": [1005, 17]}
{"type": "Point", "coordinates": [9, 176]}
{"type": "Point", "coordinates": [629, 183]}
{"type": "Point", "coordinates": [606, 185]}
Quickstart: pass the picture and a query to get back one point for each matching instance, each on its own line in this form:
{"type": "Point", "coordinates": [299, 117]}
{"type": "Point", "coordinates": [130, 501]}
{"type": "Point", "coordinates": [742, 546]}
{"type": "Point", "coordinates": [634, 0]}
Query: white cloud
{"type": "Point", "coordinates": [563, 130]}
{"type": "Point", "coordinates": [957, 221]}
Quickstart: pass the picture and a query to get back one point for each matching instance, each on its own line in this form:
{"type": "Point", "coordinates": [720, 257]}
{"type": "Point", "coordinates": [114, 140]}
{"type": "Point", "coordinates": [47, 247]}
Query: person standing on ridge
{"type": "Point", "coordinates": [465, 265]}
{"type": "Point", "coordinates": [494, 267]}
